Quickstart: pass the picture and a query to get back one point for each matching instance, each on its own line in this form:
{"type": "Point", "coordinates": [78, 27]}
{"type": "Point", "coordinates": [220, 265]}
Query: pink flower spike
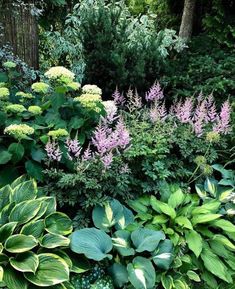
{"type": "Point", "coordinates": [155, 93]}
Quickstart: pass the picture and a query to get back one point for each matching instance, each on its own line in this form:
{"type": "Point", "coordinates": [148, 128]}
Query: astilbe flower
{"type": "Point", "coordinates": [118, 98]}
{"type": "Point", "coordinates": [183, 111]}
{"type": "Point", "coordinates": [107, 160]}
{"type": "Point", "coordinates": [222, 125]}
{"type": "Point", "coordinates": [100, 140]}
{"type": "Point", "coordinates": [158, 112]}
{"type": "Point", "coordinates": [87, 154]}
{"type": "Point", "coordinates": [74, 148]}
{"type": "Point", "coordinates": [111, 110]}
{"type": "Point", "coordinates": [211, 109]}
{"type": "Point", "coordinates": [200, 118]}
{"type": "Point", "coordinates": [134, 100]}
{"type": "Point", "coordinates": [155, 93]}
{"type": "Point", "coordinates": [53, 151]}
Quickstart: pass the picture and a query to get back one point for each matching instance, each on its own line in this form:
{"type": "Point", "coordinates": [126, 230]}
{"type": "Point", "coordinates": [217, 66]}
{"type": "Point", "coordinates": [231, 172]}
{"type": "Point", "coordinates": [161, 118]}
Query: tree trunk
{"type": "Point", "coordinates": [20, 30]}
{"type": "Point", "coordinates": [186, 26]}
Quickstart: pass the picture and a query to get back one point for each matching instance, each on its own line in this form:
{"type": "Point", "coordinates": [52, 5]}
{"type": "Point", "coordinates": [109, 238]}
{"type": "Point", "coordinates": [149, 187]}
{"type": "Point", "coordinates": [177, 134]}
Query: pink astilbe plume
{"type": "Point", "coordinates": [222, 125]}
{"type": "Point", "coordinates": [107, 160]}
{"type": "Point", "coordinates": [211, 109]}
{"type": "Point", "coordinates": [155, 93]}
{"type": "Point", "coordinates": [87, 154]}
{"type": "Point", "coordinates": [158, 112]}
{"type": "Point", "coordinates": [73, 147]}
{"type": "Point", "coordinates": [123, 136]}
{"type": "Point", "coordinates": [200, 117]}
{"type": "Point", "coordinates": [118, 97]}
{"type": "Point", "coordinates": [183, 111]}
{"type": "Point", "coordinates": [100, 139]}
{"type": "Point", "coordinates": [53, 151]}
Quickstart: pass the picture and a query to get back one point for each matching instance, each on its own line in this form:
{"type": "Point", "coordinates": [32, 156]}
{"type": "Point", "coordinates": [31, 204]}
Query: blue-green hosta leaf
{"type": "Point", "coordinates": [24, 191]}
{"type": "Point", "coordinates": [163, 255]}
{"type": "Point", "coordinates": [51, 241]}
{"type": "Point", "coordinates": [141, 273]}
{"type": "Point", "coordinates": [122, 243]}
{"type": "Point", "coordinates": [194, 241]}
{"type": "Point", "coordinates": [14, 279]}
{"type": "Point", "coordinates": [107, 216]}
{"type": "Point", "coordinates": [1, 273]}
{"type": "Point", "coordinates": [176, 199]}
{"type": "Point", "coordinates": [58, 223]}
{"type": "Point", "coordinates": [20, 243]}
{"type": "Point", "coordinates": [119, 274]}
{"type": "Point", "coordinates": [34, 228]}
{"type": "Point", "coordinates": [93, 243]}
{"type": "Point", "coordinates": [214, 265]}
{"type": "Point", "coordinates": [7, 230]}
{"type": "Point", "coordinates": [161, 207]}
{"type": "Point", "coordinates": [146, 239]}
{"type": "Point", "coordinates": [51, 270]}
{"type": "Point", "coordinates": [25, 262]}
{"type": "Point", "coordinates": [126, 219]}
{"type": "Point", "coordinates": [24, 211]}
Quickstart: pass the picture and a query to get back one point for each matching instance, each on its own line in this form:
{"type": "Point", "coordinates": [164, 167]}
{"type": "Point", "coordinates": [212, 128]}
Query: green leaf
{"type": "Point", "coordinates": [119, 274]}
{"type": "Point", "coordinates": [1, 273]}
{"type": "Point", "coordinates": [76, 122]}
{"type": "Point", "coordinates": [205, 218]}
{"type": "Point", "coordinates": [122, 243]}
{"type": "Point", "coordinates": [51, 270]}
{"type": "Point", "coordinates": [200, 191]}
{"type": "Point", "coordinates": [107, 216]}
{"type": "Point", "coordinates": [126, 219]}
{"type": "Point", "coordinates": [161, 219]}
{"type": "Point", "coordinates": [25, 262]}
{"type": "Point", "coordinates": [17, 151]}
{"type": "Point", "coordinates": [210, 186]}
{"type": "Point", "coordinates": [34, 228]}
{"type": "Point", "coordinates": [20, 243]}
{"type": "Point", "coordinates": [184, 222]}
{"type": "Point", "coordinates": [163, 255]}
{"type": "Point", "coordinates": [58, 223]}
{"type": "Point", "coordinates": [193, 276]}
{"type": "Point", "coordinates": [167, 281]}
{"type": "Point", "coordinates": [194, 241]}
{"type": "Point", "coordinates": [5, 157]}
{"type": "Point", "coordinates": [161, 207]}
{"type": "Point", "coordinates": [225, 241]}
{"type": "Point", "coordinates": [3, 258]}
{"type": "Point", "coordinates": [176, 199]}
{"type": "Point", "coordinates": [34, 170]}
{"type": "Point", "coordinates": [38, 155]}
{"type": "Point", "coordinates": [209, 279]}
{"type": "Point", "coordinates": [5, 194]}
{"type": "Point", "coordinates": [141, 273]}
{"type": "Point", "coordinates": [225, 225]}
{"type": "Point", "coordinates": [53, 240]}
{"type": "Point", "coordinates": [146, 239]}
{"type": "Point", "coordinates": [24, 191]}
{"type": "Point", "coordinates": [214, 265]}
{"type": "Point", "coordinates": [13, 279]}
{"type": "Point", "coordinates": [207, 208]}
{"type": "Point", "coordinates": [7, 230]}
{"type": "Point", "coordinates": [93, 243]}
{"type": "Point", "coordinates": [24, 211]}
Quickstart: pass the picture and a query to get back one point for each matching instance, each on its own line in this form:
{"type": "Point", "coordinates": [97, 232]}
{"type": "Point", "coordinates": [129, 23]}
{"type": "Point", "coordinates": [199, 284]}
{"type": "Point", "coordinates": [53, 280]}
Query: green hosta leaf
{"type": "Point", "coordinates": [18, 181]}
{"type": "Point", "coordinates": [193, 276]}
{"type": "Point", "coordinates": [50, 202]}
{"type": "Point", "coordinates": [167, 281]}
{"type": "Point", "coordinates": [207, 208]}
{"type": "Point", "coordinates": [7, 230]}
{"type": "Point", "coordinates": [3, 258]}
{"type": "Point", "coordinates": [224, 225]}
{"type": "Point", "coordinates": [34, 228]}
{"type": "Point", "coordinates": [119, 274]}
{"type": "Point", "coordinates": [17, 151]}
{"type": "Point", "coordinates": [93, 243]}
{"type": "Point", "coordinates": [214, 265]}
{"type": "Point", "coordinates": [25, 262]}
{"type": "Point", "coordinates": [1, 273]}
{"type": "Point", "coordinates": [1, 247]}
{"type": "Point", "coordinates": [58, 223]}
{"type": "Point", "coordinates": [5, 194]}
{"type": "Point", "coordinates": [194, 241]}
{"type": "Point", "coordinates": [210, 186]}
{"type": "Point", "coordinates": [65, 256]}
{"type": "Point", "coordinates": [122, 243]}
{"type": "Point", "coordinates": [25, 211]}
{"type": "Point", "coordinates": [161, 207]}
{"type": "Point", "coordinates": [224, 195]}
{"type": "Point", "coordinates": [5, 212]}
{"type": "Point", "coordinates": [209, 279]}
{"type": "Point", "coordinates": [141, 273]}
{"type": "Point", "coordinates": [200, 191]}
{"type": "Point", "coordinates": [184, 222]}
{"type": "Point", "coordinates": [52, 270]}
{"type": "Point", "coordinates": [14, 279]}
{"type": "Point", "coordinates": [52, 241]}
{"type": "Point", "coordinates": [163, 255]}
{"type": "Point", "coordinates": [199, 219]}
{"type": "Point", "coordinates": [146, 239]}
{"type": "Point", "coordinates": [126, 219]}
{"type": "Point", "coordinates": [161, 219]}
{"type": "Point", "coordinates": [107, 216]}
{"type": "Point", "coordinates": [5, 157]}
{"type": "Point", "coordinates": [24, 191]}
{"type": "Point", "coordinates": [180, 284]}
{"type": "Point", "coordinates": [225, 241]}
{"type": "Point", "coordinates": [20, 243]}
{"type": "Point", "coordinates": [176, 198]}
{"type": "Point", "coordinates": [137, 206]}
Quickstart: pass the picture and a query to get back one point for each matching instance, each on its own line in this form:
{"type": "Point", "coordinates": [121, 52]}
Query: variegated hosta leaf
{"type": "Point", "coordinates": [25, 262]}
{"type": "Point", "coordinates": [34, 228]}
{"type": "Point", "coordinates": [58, 223]}
{"type": "Point", "coordinates": [14, 279]}
{"type": "Point", "coordinates": [53, 241]}
{"type": "Point", "coordinates": [7, 230]}
{"type": "Point", "coordinates": [20, 243]}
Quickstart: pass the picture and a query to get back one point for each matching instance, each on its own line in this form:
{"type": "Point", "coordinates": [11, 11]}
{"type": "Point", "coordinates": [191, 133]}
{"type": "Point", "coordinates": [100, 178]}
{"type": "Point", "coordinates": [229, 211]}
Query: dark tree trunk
{"type": "Point", "coordinates": [20, 30]}
{"type": "Point", "coordinates": [186, 26]}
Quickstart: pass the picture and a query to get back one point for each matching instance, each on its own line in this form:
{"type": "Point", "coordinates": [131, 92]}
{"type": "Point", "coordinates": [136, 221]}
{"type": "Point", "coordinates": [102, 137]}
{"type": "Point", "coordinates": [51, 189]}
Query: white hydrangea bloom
{"type": "Point", "coordinates": [60, 72]}
{"type": "Point", "coordinates": [91, 89]}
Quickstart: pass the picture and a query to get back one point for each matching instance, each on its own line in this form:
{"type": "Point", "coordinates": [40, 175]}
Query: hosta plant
{"type": "Point", "coordinates": [204, 239]}
{"type": "Point", "coordinates": [33, 236]}
{"type": "Point", "coordinates": [132, 252]}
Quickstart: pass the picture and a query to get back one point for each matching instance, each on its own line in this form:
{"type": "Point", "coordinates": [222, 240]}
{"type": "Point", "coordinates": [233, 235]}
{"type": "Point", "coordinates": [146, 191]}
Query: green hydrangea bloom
{"type": "Point", "coordinates": [9, 64]}
{"type": "Point", "coordinates": [4, 93]}
{"type": "Point", "coordinates": [35, 110]}
{"type": "Point", "coordinates": [74, 85]}
{"type": "Point", "coordinates": [15, 108]}
{"type": "Point", "coordinates": [61, 74]}
{"type": "Point", "coordinates": [24, 95]}
{"type": "Point", "coordinates": [40, 87]}
{"type": "Point", "coordinates": [91, 89]}
{"type": "Point", "coordinates": [89, 101]}
{"type": "Point", "coordinates": [2, 84]}
{"type": "Point", "coordinates": [19, 131]}
{"type": "Point", "coordinates": [61, 132]}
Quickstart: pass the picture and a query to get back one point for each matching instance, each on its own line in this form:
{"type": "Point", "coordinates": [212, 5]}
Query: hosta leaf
{"type": "Point", "coordinates": [3, 258]}
{"type": "Point", "coordinates": [126, 219]}
{"type": "Point", "coordinates": [18, 181]}
{"type": "Point", "coordinates": [93, 243]}
{"type": "Point", "coordinates": [24, 211]}
{"type": "Point", "coordinates": [161, 207]}
{"type": "Point", "coordinates": [200, 191]}
{"type": "Point", "coordinates": [34, 228]}
{"type": "Point", "coordinates": [209, 279]}
{"type": "Point", "coordinates": [194, 241]}
{"type": "Point", "coordinates": [14, 279]}
{"type": "Point", "coordinates": [214, 265]}
{"type": "Point", "coordinates": [184, 222]}
{"type": "Point", "coordinates": [225, 241]}
{"type": "Point", "coordinates": [24, 191]}
{"type": "Point", "coordinates": [20, 243]}
{"type": "Point", "coordinates": [176, 198]}
{"type": "Point", "coordinates": [210, 186]}
{"type": "Point", "coordinates": [180, 284]}
{"type": "Point", "coordinates": [199, 219]}
{"type": "Point", "coordinates": [1, 273]}
{"type": "Point", "coordinates": [146, 239]}
{"type": "Point", "coordinates": [53, 240]}
{"type": "Point", "coordinates": [161, 219]}
{"type": "Point", "coordinates": [4, 214]}
{"type": "Point", "coordinates": [163, 255]}
{"type": "Point", "coordinates": [167, 281]}
{"type": "Point", "coordinates": [7, 230]}
{"type": "Point", "coordinates": [137, 206]}
{"type": "Point", "coordinates": [5, 194]}
{"type": "Point", "coordinates": [25, 262]}
{"type": "Point", "coordinates": [52, 270]}
{"type": "Point", "coordinates": [141, 273]}
{"type": "Point", "coordinates": [58, 223]}
{"type": "Point", "coordinates": [119, 274]}
{"type": "Point", "coordinates": [207, 208]}
{"type": "Point", "coordinates": [49, 203]}
{"type": "Point", "coordinates": [225, 225]}
{"type": "Point", "coordinates": [193, 276]}
{"type": "Point", "coordinates": [122, 243]}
